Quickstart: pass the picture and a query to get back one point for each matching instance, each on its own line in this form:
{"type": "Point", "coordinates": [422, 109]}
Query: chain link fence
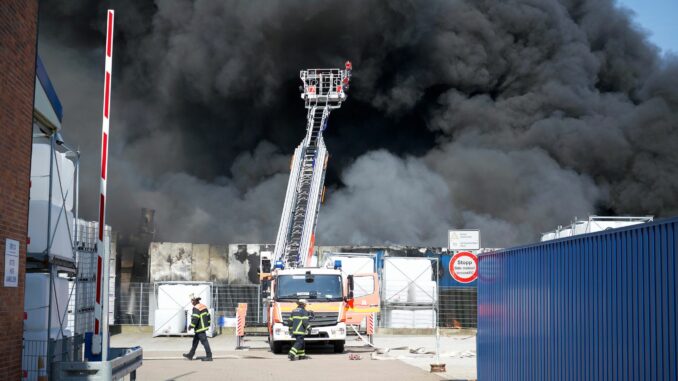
{"type": "Point", "coordinates": [227, 297]}
{"type": "Point", "coordinates": [135, 303]}
{"type": "Point", "coordinates": [458, 307]}
{"type": "Point", "coordinates": [39, 355]}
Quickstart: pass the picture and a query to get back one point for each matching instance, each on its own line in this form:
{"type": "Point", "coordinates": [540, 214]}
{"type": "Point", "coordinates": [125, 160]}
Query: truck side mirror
{"type": "Point", "coordinates": [350, 286]}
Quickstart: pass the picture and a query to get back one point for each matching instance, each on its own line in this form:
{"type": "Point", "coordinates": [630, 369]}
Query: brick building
{"type": "Point", "coordinates": [18, 43]}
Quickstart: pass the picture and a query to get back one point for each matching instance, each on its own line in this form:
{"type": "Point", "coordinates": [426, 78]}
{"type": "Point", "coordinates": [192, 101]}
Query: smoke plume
{"type": "Point", "coordinates": [509, 116]}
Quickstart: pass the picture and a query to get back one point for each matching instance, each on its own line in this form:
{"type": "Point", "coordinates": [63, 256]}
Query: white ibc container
{"type": "Point", "coordinates": [395, 291]}
{"type": "Point", "coordinates": [175, 295]}
{"type": "Point", "coordinates": [61, 233]}
{"type": "Point", "coordinates": [399, 319]}
{"type": "Point", "coordinates": [580, 227]}
{"type": "Point", "coordinates": [564, 233]}
{"type": "Point", "coordinates": [352, 265]}
{"type": "Point", "coordinates": [62, 169]}
{"type": "Point", "coordinates": [424, 318]}
{"type": "Point", "coordinates": [411, 269]}
{"type": "Point", "coordinates": [36, 302]}
{"type": "Point", "coordinates": [422, 292]}
{"type": "Point", "coordinates": [169, 321]}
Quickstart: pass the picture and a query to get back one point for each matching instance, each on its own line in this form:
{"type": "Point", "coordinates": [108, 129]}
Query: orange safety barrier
{"type": "Point", "coordinates": [240, 315]}
{"type": "Point", "coordinates": [370, 327]}
{"type": "Point", "coordinates": [370, 324]}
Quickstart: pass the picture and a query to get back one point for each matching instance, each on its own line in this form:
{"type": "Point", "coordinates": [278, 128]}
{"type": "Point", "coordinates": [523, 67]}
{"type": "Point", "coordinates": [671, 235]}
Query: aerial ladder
{"type": "Point", "coordinates": [323, 90]}
{"type": "Point", "coordinates": [287, 274]}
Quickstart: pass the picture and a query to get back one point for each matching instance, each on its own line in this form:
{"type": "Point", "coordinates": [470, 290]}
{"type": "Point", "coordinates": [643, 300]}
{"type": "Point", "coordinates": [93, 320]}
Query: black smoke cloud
{"type": "Point", "coordinates": [508, 116]}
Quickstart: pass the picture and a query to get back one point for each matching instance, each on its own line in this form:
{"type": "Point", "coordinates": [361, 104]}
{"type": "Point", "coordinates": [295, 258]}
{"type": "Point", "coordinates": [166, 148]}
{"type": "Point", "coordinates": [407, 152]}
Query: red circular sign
{"type": "Point", "coordinates": [464, 267]}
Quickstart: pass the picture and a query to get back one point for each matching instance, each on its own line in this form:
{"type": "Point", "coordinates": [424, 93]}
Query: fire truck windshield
{"type": "Point", "coordinates": [312, 287]}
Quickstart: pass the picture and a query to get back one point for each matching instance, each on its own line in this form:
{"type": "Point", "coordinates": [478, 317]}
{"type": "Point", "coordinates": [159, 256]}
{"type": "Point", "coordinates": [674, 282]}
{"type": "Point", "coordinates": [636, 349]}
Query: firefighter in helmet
{"type": "Point", "coordinates": [200, 323]}
{"type": "Point", "coordinates": [299, 326]}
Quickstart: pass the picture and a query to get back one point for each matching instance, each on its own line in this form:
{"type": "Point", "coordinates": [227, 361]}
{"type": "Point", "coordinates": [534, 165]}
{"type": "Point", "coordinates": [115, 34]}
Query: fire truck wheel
{"type": "Point", "coordinates": [339, 346]}
{"type": "Point", "coordinates": [276, 347]}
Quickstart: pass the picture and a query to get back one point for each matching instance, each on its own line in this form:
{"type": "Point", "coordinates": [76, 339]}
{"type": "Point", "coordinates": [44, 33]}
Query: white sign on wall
{"type": "Point", "coordinates": [11, 263]}
{"type": "Point", "coordinates": [466, 239]}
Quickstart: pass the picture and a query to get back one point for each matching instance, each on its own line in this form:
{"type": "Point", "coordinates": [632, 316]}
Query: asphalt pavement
{"type": "Point", "coordinates": [399, 358]}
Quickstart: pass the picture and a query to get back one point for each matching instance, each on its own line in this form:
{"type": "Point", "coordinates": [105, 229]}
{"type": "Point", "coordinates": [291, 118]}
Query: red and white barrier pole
{"type": "Point", "coordinates": [370, 327]}
{"type": "Point", "coordinates": [100, 337]}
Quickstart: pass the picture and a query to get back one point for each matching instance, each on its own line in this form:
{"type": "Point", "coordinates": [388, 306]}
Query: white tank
{"type": "Point", "coordinates": [60, 231]}
{"type": "Point", "coordinates": [36, 302]}
{"type": "Point", "coordinates": [169, 321]}
{"type": "Point", "coordinates": [62, 169]}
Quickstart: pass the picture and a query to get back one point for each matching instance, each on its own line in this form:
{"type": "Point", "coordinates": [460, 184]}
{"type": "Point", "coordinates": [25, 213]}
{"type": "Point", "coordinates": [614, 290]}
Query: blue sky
{"type": "Point", "coordinates": [659, 17]}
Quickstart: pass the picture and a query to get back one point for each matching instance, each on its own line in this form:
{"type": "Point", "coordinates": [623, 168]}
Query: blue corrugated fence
{"type": "Point", "coordinates": [600, 306]}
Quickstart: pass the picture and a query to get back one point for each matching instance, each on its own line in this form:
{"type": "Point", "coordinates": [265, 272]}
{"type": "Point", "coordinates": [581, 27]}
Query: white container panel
{"type": "Point", "coordinates": [36, 302]}
{"type": "Point", "coordinates": [60, 231]}
{"type": "Point", "coordinates": [177, 295]}
{"type": "Point", "coordinates": [169, 321]}
{"type": "Point", "coordinates": [410, 269]}
{"type": "Point", "coordinates": [63, 176]}
{"type": "Point", "coordinates": [352, 265]}
{"type": "Point", "coordinates": [395, 291]}
{"type": "Point", "coordinates": [424, 319]}
{"type": "Point", "coordinates": [399, 319]}
{"type": "Point", "coordinates": [565, 233]}
{"type": "Point", "coordinates": [422, 292]}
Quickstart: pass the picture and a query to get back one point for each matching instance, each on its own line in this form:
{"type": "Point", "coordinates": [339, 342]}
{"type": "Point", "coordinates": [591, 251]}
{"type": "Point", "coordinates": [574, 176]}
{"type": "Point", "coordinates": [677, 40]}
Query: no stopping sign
{"type": "Point", "coordinates": [464, 267]}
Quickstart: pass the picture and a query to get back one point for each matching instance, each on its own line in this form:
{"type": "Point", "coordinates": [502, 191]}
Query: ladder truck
{"type": "Point", "coordinates": [286, 273]}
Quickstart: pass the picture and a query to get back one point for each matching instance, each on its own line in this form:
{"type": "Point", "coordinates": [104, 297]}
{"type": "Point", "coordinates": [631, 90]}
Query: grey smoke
{"type": "Point", "coordinates": [536, 111]}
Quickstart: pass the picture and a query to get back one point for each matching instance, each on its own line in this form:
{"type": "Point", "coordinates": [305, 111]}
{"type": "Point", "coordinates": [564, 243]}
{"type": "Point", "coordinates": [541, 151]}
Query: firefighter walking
{"type": "Point", "coordinates": [299, 325]}
{"type": "Point", "coordinates": [200, 323]}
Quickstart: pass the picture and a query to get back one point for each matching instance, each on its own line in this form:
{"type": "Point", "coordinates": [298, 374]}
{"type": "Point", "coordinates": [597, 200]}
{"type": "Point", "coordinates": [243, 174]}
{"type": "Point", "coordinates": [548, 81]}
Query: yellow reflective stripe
{"type": "Point", "coordinates": [318, 307]}
{"type": "Point", "coordinates": [299, 317]}
{"type": "Point", "coordinates": [297, 329]}
{"type": "Point", "coordinates": [202, 322]}
{"type": "Point", "coordinates": [366, 309]}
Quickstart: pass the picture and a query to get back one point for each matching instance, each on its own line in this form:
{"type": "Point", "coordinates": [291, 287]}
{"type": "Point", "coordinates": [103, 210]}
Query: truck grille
{"type": "Point", "coordinates": [321, 319]}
